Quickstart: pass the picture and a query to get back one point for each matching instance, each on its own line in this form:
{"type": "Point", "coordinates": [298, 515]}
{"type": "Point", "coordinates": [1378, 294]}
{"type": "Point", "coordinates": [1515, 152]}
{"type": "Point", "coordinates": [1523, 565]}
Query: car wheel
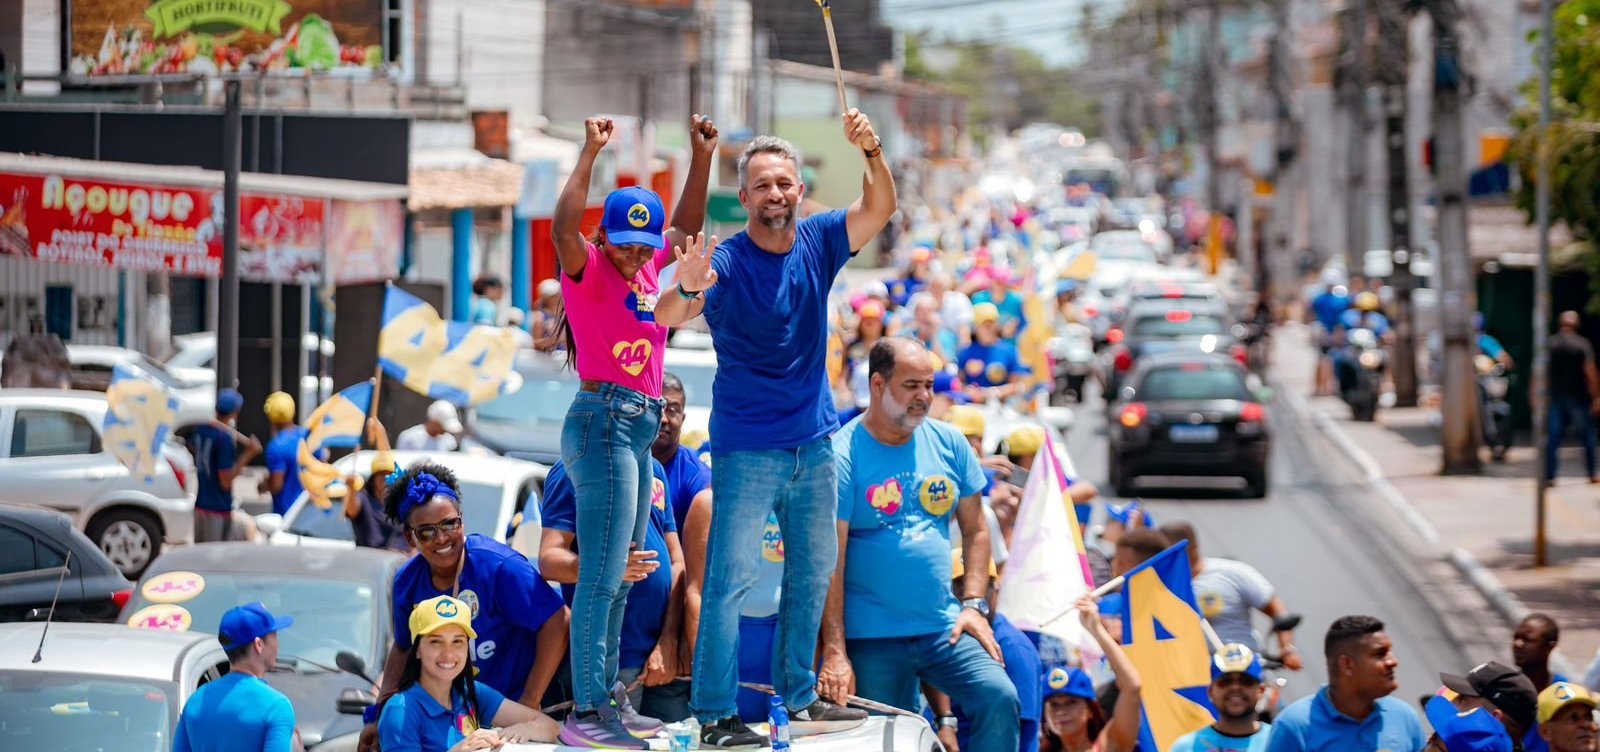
{"type": "Point", "coordinates": [1256, 483]}
{"type": "Point", "coordinates": [130, 538]}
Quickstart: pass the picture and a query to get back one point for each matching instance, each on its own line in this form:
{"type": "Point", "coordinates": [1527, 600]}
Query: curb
{"type": "Point", "coordinates": [1504, 602]}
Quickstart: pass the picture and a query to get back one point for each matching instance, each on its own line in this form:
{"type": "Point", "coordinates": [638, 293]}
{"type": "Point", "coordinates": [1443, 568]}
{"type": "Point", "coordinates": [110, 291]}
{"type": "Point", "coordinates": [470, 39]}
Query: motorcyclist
{"type": "Point", "coordinates": [1364, 315]}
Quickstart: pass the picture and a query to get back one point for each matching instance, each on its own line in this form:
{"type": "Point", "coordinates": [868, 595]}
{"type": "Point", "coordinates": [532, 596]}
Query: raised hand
{"type": "Point", "coordinates": [858, 130]}
{"type": "Point", "coordinates": [694, 263]}
{"type": "Point", "coordinates": [597, 133]}
{"type": "Point", "coordinates": [702, 135]}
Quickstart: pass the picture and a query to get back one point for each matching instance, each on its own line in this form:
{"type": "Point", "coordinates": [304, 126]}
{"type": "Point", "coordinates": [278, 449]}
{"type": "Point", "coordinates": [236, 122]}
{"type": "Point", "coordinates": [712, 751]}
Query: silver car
{"type": "Point", "coordinates": [52, 455]}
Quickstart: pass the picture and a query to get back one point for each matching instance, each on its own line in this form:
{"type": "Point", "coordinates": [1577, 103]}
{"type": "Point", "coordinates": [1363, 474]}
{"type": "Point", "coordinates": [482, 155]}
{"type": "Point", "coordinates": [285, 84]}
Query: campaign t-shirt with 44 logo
{"type": "Point", "coordinates": [614, 322]}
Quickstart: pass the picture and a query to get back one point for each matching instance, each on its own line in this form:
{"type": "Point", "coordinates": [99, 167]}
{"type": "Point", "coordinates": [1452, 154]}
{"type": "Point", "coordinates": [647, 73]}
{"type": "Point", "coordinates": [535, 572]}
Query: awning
{"type": "Point", "coordinates": [459, 178]}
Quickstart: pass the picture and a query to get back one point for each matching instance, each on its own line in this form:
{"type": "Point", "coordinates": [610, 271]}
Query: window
{"type": "Point", "coordinates": [51, 433]}
{"type": "Point", "coordinates": [16, 551]}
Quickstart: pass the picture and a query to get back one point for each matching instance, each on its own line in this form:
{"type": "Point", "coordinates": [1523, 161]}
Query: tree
{"type": "Point", "coordinates": [1005, 86]}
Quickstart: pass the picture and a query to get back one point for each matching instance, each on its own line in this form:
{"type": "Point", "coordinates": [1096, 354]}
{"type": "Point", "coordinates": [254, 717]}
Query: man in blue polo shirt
{"type": "Point", "coordinates": [239, 711]}
{"type": "Point", "coordinates": [1353, 710]}
{"type": "Point", "coordinates": [687, 476]}
{"type": "Point", "coordinates": [892, 620]}
{"type": "Point", "coordinates": [648, 644]}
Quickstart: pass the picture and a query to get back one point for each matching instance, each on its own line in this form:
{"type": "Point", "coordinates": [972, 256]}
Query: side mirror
{"type": "Point", "coordinates": [269, 524]}
{"type": "Point", "coordinates": [355, 701]}
{"type": "Point", "coordinates": [350, 663]}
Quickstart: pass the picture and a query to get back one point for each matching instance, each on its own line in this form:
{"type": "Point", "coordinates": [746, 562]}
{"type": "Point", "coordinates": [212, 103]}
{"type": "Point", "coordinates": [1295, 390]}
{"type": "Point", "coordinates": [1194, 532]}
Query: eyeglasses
{"type": "Point", "coordinates": [426, 533]}
{"type": "Point", "coordinates": [672, 411]}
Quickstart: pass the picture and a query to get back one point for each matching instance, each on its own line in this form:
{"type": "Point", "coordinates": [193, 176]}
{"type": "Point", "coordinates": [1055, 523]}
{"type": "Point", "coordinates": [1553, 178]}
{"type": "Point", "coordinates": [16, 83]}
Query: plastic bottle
{"type": "Point", "coordinates": [778, 724]}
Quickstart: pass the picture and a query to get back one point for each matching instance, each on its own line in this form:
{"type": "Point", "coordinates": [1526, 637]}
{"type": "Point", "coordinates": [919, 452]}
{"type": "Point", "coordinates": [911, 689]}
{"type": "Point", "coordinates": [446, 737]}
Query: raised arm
{"type": "Point", "coordinates": [681, 304]}
{"type": "Point", "coordinates": [1122, 733]}
{"type": "Point", "coordinates": [567, 227]}
{"type": "Point", "coordinates": [689, 216]}
{"type": "Point", "coordinates": [868, 214]}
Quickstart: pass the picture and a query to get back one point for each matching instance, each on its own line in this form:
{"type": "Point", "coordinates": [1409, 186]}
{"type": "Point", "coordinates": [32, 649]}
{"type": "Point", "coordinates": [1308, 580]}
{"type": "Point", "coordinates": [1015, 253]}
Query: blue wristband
{"type": "Point", "coordinates": [686, 295]}
{"type": "Point", "coordinates": [370, 715]}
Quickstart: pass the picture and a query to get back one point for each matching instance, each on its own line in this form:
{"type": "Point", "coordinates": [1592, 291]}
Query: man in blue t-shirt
{"type": "Point", "coordinates": [892, 621]}
{"type": "Point", "coordinates": [687, 476]}
{"type": "Point", "coordinates": [990, 366]}
{"type": "Point", "coordinates": [1354, 709]}
{"type": "Point", "coordinates": [652, 619]}
{"type": "Point", "coordinates": [239, 711]}
{"type": "Point", "coordinates": [764, 292]}
{"type": "Point", "coordinates": [1235, 690]}
{"type": "Point", "coordinates": [217, 462]}
{"type": "Point", "coordinates": [283, 453]}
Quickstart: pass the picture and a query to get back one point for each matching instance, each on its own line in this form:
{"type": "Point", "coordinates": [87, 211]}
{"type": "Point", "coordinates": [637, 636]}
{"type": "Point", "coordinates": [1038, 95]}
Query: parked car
{"type": "Point", "coordinates": [99, 686]}
{"type": "Point", "coordinates": [52, 455]}
{"type": "Point", "coordinates": [339, 600]}
{"type": "Point", "coordinates": [1189, 414]}
{"type": "Point", "coordinates": [92, 367]}
{"type": "Point", "coordinates": [499, 498]}
{"type": "Point", "coordinates": [195, 361]}
{"type": "Point", "coordinates": [34, 548]}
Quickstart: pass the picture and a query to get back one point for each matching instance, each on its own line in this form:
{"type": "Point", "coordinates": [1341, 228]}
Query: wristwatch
{"type": "Point", "coordinates": [875, 150]}
{"type": "Point", "coordinates": [946, 721]}
{"type": "Point", "coordinates": [981, 605]}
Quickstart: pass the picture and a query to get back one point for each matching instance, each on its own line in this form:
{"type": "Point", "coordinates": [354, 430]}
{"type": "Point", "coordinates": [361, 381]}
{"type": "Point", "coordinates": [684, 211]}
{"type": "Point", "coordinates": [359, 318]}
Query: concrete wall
{"type": "Point", "coordinates": [596, 63]}
{"type": "Point", "coordinates": [498, 53]}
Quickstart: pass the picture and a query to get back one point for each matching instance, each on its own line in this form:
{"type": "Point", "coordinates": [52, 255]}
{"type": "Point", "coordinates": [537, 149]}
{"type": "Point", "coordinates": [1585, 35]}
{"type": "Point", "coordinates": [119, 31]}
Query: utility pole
{"type": "Point", "coordinates": [1393, 61]}
{"type": "Point", "coordinates": [1351, 79]}
{"type": "Point", "coordinates": [228, 289]}
{"type": "Point", "coordinates": [1541, 283]}
{"type": "Point", "coordinates": [1460, 407]}
{"type": "Point", "coordinates": [1286, 139]}
{"type": "Point", "coordinates": [1211, 70]}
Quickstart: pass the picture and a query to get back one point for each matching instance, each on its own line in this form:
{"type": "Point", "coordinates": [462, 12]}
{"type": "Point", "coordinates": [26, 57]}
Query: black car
{"type": "Point", "coordinates": [1161, 325]}
{"type": "Point", "coordinates": [339, 598]}
{"type": "Point", "coordinates": [1189, 414]}
{"type": "Point", "coordinates": [34, 543]}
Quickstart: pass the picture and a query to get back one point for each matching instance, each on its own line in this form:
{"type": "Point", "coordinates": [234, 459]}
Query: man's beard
{"type": "Point", "coordinates": [780, 222]}
{"type": "Point", "coordinates": [901, 415]}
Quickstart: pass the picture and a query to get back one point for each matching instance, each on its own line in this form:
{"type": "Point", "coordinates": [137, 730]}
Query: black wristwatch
{"type": "Point", "coordinates": [981, 605]}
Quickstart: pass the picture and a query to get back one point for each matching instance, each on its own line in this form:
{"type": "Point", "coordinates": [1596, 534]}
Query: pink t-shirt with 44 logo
{"type": "Point", "coordinates": [614, 322]}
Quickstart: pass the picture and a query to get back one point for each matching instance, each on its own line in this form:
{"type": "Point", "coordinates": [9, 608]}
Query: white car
{"type": "Point", "coordinates": [92, 367]}
{"type": "Point", "coordinates": [196, 361]}
{"type": "Point", "coordinates": [499, 498]}
{"type": "Point", "coordinates": [99, 686]}
{"type": "Point", "coordinates": [52, 455]}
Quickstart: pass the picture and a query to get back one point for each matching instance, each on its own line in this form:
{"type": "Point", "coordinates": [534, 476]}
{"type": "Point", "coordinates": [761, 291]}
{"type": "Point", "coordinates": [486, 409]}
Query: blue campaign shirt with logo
{"type": "Point", "coordinates": [687, 476]}
{"type": "Point", "coordinates": [1313, 724]}
{"type": "Point", "coordinates": [989, 365]}
{"type": "Point", "coordinates": [1209, 739]}
{"type": "Point", "coordinates": [898, 501]}
{"type": "Point", "coordinates": [237, 711]}
{"type": "Point", "coordinates": [283, 456]}
{"type": "Point", "coordinates": [412, 721]}
{"type": "Point", "coordinates": [647, 599]}
{"type": "Point", "coordinates": [769, 323]}
{"type": "Point", "coordinates": [510, 602]}
{"type": "Point", "coordinates": [214, 453]}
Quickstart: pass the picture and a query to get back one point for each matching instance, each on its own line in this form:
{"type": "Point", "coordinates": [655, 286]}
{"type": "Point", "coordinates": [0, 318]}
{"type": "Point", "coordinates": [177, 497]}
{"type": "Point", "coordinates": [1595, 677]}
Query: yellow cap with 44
{"type": "Point", "coordinates": [434, 614]}
{"type": "Point", "coordinates": [1561, 694]}
{"type": "Point", "coordinates": [967, 419]}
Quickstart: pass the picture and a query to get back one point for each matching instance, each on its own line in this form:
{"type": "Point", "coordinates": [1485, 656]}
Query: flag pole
{"type": "Point", "coordinates": [1097, 593]}
{"type": "Point", "coordinates": [838, 70]}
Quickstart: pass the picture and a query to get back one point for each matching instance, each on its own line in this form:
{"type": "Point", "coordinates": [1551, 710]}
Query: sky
{"type": "Point", "coordinates": [1048, 27]}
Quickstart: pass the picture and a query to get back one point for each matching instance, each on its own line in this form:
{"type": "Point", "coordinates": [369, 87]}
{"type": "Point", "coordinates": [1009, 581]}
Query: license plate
{"type": "Point", "coordinates": [1193, 434]}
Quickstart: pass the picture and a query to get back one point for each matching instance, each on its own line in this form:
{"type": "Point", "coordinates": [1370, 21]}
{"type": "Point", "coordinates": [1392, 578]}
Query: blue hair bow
{"type": "Point", "coordinates": [422, 489]}
{"type": "Point", "coordinates": [395, 475]}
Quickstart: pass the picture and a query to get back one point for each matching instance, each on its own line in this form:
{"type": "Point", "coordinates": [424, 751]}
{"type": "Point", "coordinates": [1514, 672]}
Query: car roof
{"type": "Point", "coordinates": [86, 649]}
{"type": "Point", "coordinates": [467, 465]}
{"type": "Point", "coordinates": [32, 514]}
{"type": "Point", "coordinates": [1181, 357]}
{"type": "Point", "coordinates": [360, 564]}
{"type": "Point", "coordinates": [689, 356]}
{"type": "Point", "coordinates": [53, 397]}
{"type": "Point", "coordinates": [102, 352]}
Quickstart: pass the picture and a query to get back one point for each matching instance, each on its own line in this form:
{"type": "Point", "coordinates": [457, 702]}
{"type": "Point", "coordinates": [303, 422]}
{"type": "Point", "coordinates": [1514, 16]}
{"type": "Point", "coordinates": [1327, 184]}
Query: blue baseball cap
{"type": "Point", "coordinates": [248, 623]}
{"type": "Point", "coordinates": [633, 216]}
{"type": "Point", "coordinates": [1066, 681]}
{"type": "Point", "coordinates": [1234, 658]}
{"type": "Point", "coordinates": [944, 384]}
{"type": "Point", "coordinates": [1123, 513]}
{"type": "Point", "coordinates": [1472, 731]}
{"type": "Point", "coordinates": [229, 401]}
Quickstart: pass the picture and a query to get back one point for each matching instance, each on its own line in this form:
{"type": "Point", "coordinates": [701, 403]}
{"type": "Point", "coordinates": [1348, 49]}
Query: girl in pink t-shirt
{"type": "Point", "coordinates": [610, 284]}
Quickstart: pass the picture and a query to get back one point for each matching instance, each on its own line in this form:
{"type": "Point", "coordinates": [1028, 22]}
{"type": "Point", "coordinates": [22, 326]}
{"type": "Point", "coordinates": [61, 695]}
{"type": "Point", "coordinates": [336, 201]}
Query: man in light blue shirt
{"type": "Point", "coordinates": [1235, 690]}
{"type": "Point", "coordinates": [239, 711]}
{"type": "Point", "coordinates": [1353, 711]}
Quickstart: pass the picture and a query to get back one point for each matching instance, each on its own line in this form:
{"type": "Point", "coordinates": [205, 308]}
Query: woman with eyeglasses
{"type": "Point", "coordinates": [610, 284]}
{"type": "Point", "coordinates": [519, 619]}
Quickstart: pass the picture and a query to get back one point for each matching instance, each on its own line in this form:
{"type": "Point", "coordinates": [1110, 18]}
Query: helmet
{"type": "Point", "coordinates": [1367, 301]}
{"type": "Point", "coordinates": [279, 407]}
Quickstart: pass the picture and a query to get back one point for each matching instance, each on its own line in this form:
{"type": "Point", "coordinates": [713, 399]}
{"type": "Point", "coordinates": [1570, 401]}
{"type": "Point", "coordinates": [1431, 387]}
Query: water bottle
{"type": "Point", "coordinates": [778, 724]}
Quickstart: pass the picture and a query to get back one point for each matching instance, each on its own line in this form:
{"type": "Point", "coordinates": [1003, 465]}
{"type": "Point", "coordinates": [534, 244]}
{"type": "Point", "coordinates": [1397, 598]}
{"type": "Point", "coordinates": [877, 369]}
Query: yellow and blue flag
{"type": "Point", "coordinates": [338, 423]}
{"type": "Point", "coordinates": [139, 418]}
{"type": "Point", "coordinates": [1163, 636]}
{"type": "Point", "coordinates": [448, 360]}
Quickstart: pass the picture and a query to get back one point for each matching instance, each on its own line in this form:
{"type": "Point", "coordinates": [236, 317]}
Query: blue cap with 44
{"type": "Point", "coordinates": [634, 216]}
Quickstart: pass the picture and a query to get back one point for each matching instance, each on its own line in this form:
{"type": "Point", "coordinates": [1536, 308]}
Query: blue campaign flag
{"type": "Point", "coordinates": [139, 418]}
{"type": "Point", "coordinates": [1163, 636]}
{"type": "Point", "coordinates": [339, 421]}
{"type": "Point", "coordinates": [454, 361]}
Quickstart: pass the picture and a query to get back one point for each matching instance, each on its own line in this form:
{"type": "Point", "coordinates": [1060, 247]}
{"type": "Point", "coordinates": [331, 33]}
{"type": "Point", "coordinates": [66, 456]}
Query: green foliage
{"type": "Point", "coordinates": [1005, 86]}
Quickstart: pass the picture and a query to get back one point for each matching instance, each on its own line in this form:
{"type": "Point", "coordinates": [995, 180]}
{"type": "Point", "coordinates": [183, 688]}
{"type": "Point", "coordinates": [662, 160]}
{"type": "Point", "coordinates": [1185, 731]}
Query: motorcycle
{"type": "Point", "coordinates": [1072, 350]}
{"type": "Point", "coordinates": [1361, 379]}
{"type": "Point", "coordinates": [1271, 702]}
{"type": "Point", "coordinates": [1493, 384]}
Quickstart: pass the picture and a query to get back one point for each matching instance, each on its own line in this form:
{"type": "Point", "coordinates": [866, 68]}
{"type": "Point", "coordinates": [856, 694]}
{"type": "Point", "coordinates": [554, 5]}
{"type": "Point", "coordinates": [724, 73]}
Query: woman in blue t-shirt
{"type": "Point", "coordinates": [439, 706]}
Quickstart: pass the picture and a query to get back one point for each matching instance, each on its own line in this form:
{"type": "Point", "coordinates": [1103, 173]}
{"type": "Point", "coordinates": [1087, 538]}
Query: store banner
{"type": "Point", "coordinates": [132, 37]}
{"type": "Point", "coordinates": [280, 237]}
{"type": "Point", "coordinates": [99, 223]}
{"type": "Point", "coordinates": [364, 240]}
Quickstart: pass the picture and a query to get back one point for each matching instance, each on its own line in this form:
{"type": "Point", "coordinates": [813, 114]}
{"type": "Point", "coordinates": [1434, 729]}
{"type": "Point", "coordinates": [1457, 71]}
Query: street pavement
{"type": "Point", "coordinates": [1329, 546]}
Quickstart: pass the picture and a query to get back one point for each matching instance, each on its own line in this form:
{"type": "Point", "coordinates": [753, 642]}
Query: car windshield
{"type": "Point", "coordinates": [697, 381]}
{"type": "Point", "coordinates": [1126, 252]}
{"type": "Point", "coordinates": [480, 508]}
{"type": "Point", "coordinates": [1176, 325]}
{"type": "Point", "coordinates": [329, 615]}
{"type": "Point", "coordinates": [1192, 381]}
{"type": "Point", "coordinates": [49, 710]}
{"type": "Point", "coordinates": [158, 372]}
{"type": "Point", "coordinates": [546, 394]}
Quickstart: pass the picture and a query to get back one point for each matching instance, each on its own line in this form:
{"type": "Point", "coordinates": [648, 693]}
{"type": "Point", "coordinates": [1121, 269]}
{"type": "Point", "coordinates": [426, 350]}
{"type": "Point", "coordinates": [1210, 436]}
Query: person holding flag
{"type": "Point", "coordinates": [1073, 720]}
{"type": "Point", "coordinates": [1235, 689]}
{"type": "Point", "coordinates": [610, 285]}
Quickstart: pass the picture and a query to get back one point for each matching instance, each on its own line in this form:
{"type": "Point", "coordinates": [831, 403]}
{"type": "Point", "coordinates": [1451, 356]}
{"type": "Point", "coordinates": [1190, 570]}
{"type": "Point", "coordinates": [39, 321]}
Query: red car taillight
{"type": "Point", "coordinates": [1240, 354]}
{"type": "Point", "coordinates": [1252, 413]}
{"type": "Point", "coordinates": [1133, 415]}
{"type": "Point", "coordinates": [121, 597]}
{"type": "Point", "coordinates": [1114, 336]}
{"type": "Point", "coordinates": [177, 472]}
{"type": "Point", "coordinates": [1123, 361]}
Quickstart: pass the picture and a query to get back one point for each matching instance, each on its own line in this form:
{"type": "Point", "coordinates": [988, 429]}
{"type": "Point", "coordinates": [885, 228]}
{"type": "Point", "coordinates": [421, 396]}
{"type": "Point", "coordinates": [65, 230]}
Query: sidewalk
{"type": "Point", "coordinates": [1482, 524]}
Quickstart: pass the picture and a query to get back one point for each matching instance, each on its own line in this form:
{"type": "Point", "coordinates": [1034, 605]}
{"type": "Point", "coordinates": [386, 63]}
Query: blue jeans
{"type": "Point", "coordinates": [890, 670]}
{"type": "Point", "coordinates": [800, 484]}
{"type": "Point", "coordinates": [605, 443]}
{"type": "Point", "coordinates": [1573, 412]}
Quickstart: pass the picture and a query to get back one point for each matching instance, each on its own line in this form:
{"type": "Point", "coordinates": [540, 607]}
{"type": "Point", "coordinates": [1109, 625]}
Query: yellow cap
{"type": "Point", "coordinates": [694, 439]}
{"type": "Point", "coordinates": [383, 462]}
{"type": "Point", "coordinates": [985, 313]}
{"type": "Point", "coordinates": [871, 309]}
{"type": "Point", "coordinates": [434, 614]}
{"type": "Point", "coordinates": [1025, 441]}
{"type": "Point", "coordinates": [967, 419]}
{"type": "Point", "coordinates": [279, 407]}
{"type": "Point", "coordinates": [959, 570]}
{"type": "Point", "coordinates": [1561, 694]}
